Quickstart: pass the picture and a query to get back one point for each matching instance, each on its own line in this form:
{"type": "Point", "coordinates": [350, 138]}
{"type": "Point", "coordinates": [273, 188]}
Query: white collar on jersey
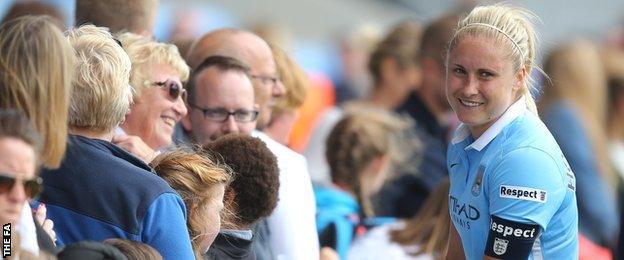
{"type": "Point", "coordinates": [512, 113]}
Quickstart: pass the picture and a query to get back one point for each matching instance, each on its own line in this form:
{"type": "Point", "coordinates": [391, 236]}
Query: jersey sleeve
{"type": "Point", "coordinates": [164, 227]}
{"type": "Point", "coordinates": [526, 186]}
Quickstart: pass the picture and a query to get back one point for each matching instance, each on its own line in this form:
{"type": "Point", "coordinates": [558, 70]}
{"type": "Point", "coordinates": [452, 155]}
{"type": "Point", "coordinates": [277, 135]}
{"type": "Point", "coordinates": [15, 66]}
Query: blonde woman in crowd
{"type": "Point", "coordinates": [422, 237]}
{"type": "Point", "coordinates": [296, 84]}
{"type": "Point", "coordinates": [36, 66]}
{"type": "Point", "coordinates": [574, 108]}
{"type": "Point", "coordinates": [101, 191]}
{"type": "Point", "coordinates": [361, 149]}
{"type": "Point", "coordinates": [201, 183]}
{"type": "Point", "coordinates": [512, 194]}
{"type": "Point", "coordinates": [157, 79]}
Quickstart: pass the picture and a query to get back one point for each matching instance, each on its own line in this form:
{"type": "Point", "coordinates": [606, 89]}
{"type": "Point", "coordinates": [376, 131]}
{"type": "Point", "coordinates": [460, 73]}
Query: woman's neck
{"type": "Point", "coordinates": [108, 136]}
{"type": "Point", "coordinates": [383, 98]}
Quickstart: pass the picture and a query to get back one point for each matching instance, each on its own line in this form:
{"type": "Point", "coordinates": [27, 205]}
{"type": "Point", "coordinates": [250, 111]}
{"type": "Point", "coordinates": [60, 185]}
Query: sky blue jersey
{"type": "Point", "coordinates": [516, 172]}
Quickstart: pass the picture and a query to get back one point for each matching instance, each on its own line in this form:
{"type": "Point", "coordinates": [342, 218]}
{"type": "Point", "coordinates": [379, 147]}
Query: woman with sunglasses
{"type": "Point", "coordinates": [158, 72]}
{"type": "Point", "coordinates": [19, 159]}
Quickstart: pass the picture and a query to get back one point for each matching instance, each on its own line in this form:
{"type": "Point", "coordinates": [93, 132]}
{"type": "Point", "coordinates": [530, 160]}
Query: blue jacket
{"type": "Point", "coordinates": [598, 217]}
{"type": "Point", "coordinates": [338, 219]}
{"type": "Point", "coordinates": [100, 191]}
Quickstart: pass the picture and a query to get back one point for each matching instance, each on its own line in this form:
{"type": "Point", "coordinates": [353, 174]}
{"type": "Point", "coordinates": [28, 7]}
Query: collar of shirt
{"type": "Point", "coordinates": [510, 115]}
{"type": "Point", "coordinates": [246, 234]}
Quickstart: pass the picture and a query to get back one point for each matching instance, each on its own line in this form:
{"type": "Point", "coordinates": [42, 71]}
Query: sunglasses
{"type": "Point", "coordinates": [174, 88]}
{"type": "Point", "coordinates": [32, 187]}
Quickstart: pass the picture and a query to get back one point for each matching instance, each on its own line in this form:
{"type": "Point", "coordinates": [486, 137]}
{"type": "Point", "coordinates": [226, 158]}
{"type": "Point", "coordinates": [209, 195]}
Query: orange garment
{"type": "Point", "coordinates": [320, 96]}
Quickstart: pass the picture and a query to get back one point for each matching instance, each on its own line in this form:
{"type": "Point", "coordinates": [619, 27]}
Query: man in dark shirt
{"type": "Point", "coordinates": [429, 108]}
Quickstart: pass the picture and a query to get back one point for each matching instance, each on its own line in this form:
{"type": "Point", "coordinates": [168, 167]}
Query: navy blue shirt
{"type": "Point", "coordinates": [403, 196]}
{"type": "Point", "coordinates": [100, 191]}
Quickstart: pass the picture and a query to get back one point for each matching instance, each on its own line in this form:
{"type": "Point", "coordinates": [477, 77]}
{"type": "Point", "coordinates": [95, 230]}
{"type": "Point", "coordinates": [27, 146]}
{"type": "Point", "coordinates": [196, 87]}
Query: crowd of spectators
{"type": "Point", "coordinates": [114, 145]}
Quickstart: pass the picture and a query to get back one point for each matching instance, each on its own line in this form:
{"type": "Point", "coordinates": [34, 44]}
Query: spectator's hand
{"type": "Point", "coordinates": [329, 254]}
{"type": "Point", "coordinates": [46, 224]}
{"type": "Point", "coordinates": [135, 145]}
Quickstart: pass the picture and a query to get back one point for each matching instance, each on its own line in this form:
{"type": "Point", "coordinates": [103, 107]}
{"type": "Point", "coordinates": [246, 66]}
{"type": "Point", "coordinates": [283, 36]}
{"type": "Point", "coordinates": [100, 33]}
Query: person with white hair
{"type": "Point", "coordinates": [100, 191]}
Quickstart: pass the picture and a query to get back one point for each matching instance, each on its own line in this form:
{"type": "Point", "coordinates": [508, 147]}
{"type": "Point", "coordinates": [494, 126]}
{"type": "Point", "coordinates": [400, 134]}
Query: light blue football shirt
{"type": "Point", "coordinates": [515, 171]}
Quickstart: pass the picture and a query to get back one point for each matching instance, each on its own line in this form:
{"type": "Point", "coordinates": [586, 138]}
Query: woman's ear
{"type": "Point", "coordinates": [521, 77]}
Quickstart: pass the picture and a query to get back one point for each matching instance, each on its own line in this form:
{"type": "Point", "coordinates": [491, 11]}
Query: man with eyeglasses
{"type": "Point", "coordinates": [221, 100]}
{"type": "Point", "coordinates": [292, 225]}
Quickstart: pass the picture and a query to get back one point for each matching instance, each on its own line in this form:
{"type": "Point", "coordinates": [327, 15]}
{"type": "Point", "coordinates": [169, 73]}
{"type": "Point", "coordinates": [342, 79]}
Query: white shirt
{"type": "Point", "coordinates": [513, 112]}
{"type": "Point", "coordinates": [315, 151]}
{"type": "Point", "coordinates": [293, 222]}
{"type": "Point", "coordinates": [376, 244]}
{"type": "Point", "coordinates": [27, 231]}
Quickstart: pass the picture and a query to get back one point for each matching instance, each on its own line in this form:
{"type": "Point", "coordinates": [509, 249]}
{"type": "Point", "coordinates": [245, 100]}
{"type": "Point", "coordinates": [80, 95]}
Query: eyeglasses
{"type": "Point", "coordinates": [265, 79]}
{"type": "Point", "coordinates": [32, 187]}
{"type": "Point", "coordinates": [222, 115]}
{"type": "Point", "coordinates": [175, 90]}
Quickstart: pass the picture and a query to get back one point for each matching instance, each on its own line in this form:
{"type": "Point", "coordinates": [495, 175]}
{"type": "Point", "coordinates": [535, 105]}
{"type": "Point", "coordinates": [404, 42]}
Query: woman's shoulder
{"type": "Point", "coordinates": [529, 134]}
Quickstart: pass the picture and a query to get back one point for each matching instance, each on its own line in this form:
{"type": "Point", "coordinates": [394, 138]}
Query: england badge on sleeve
{"type": "Point", "coordinates": [500, 246]}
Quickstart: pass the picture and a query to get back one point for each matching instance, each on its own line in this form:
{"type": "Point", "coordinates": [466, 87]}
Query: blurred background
{"type": "Point", "coordinates": [317, 32]}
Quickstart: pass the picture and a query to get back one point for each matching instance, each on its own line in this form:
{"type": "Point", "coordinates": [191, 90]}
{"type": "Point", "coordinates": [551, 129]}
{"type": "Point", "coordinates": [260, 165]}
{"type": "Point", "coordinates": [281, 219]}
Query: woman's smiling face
{"type": "Point", "coordinates": [481, 82]}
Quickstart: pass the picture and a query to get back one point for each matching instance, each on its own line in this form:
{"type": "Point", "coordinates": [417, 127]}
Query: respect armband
{"type": "Point", "coordinates": [510, 239]}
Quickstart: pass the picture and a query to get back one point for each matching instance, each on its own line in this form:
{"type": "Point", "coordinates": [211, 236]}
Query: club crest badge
{"type": "Point", "coordinates": [476, 186]}
{"type": "Point", "coordinates": [500, 246]}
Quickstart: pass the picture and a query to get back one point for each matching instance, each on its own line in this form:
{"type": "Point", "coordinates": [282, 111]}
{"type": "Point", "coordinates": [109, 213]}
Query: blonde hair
{"type": "Point", "coordinates": [100, 88]}
{"type": "Point", "coordinates": [143, 52]}
{"type": "Point", "coordinates": [578, 75]}
{"type": "Point", "coordinates": [36, 68]}
{"type": "Point", "coordinates": [294, 78]}
{"type": "Point", "coordinates": [193, 175]}
{"type": "Point", "coordinates": [362, 135]}
{"type": "Point", "coordinates": [510, 26]}
{"type": "Point", "coordinates": [430, 227]}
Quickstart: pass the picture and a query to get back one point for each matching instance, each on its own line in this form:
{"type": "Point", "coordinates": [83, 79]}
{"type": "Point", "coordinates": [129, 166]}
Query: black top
{"type": "Point", "coordinates": [227, 246]}
{"type": "Point", "coordinates": [403, 196]}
